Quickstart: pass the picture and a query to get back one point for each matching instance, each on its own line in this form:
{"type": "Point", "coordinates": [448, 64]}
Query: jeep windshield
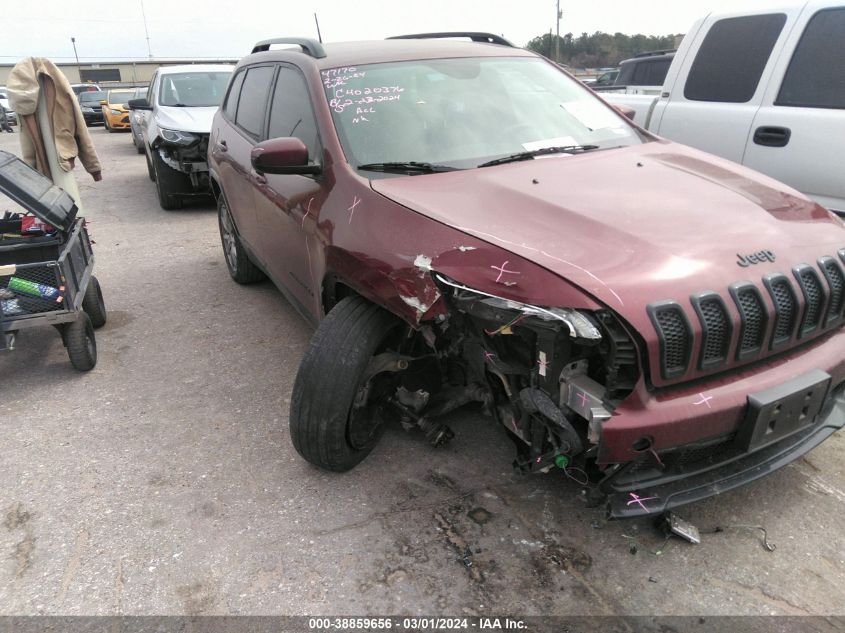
{"type": "Point", "coordinates": [462, 113]}
{"type": "Point", "coordinates": [193, 90]}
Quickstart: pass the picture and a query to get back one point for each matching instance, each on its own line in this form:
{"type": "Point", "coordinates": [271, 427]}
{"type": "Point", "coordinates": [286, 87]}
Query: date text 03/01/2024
{"type": "Point", "coordinates": [414, 624]}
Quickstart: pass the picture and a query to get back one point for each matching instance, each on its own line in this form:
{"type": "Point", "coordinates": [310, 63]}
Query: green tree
{"type": "Point", "coordinates": [596, 50]}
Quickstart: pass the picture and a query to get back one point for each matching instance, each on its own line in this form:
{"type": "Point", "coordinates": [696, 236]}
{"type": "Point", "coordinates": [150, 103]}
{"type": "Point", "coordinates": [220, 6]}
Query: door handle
{"type": "Point", "coordinates": [221, 145]}
{"type": "Point", "coordinates": [772, 136]}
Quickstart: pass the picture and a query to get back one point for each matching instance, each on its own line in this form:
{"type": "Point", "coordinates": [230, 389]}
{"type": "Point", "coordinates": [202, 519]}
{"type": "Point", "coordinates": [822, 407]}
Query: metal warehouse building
{"type": "Point", "coordinates": [114, 72]}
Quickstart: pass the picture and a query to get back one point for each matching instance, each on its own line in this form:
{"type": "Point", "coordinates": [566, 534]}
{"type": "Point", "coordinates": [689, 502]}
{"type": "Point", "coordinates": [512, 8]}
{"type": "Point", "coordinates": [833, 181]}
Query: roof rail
{"type": "Point", "coordinates": [652, 53]}
{"type": "Point", "coordinates": [310, 47]}
{"type": "Point", "coordinates": [475, 36]}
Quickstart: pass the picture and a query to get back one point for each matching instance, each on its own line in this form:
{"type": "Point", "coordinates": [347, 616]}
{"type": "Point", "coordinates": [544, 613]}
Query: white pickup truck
{"type": "Point", "coordinates": [763, 88]}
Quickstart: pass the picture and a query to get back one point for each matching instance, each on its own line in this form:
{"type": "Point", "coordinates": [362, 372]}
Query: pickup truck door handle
{"type": "Point", "coordinates": [221, 145]}
{"type": "Point", "coordinates": [772, 136]}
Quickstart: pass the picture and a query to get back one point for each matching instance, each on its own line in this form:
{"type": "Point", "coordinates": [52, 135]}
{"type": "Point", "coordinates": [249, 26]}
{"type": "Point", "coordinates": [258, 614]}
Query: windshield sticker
{"type": "Point", "coordinates": [590, 115]}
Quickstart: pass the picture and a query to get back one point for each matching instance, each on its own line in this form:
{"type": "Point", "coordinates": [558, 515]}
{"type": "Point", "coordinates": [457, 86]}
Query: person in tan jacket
{"type": "Point", "coordinates": [70, 133]}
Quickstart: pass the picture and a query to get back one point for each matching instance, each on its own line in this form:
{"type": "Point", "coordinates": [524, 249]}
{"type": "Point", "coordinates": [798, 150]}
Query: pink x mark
{"type": "Point", "coordinates": [584, 398]}
{"type": "Point", "coordinates": [704, 400]}
{"type": "Point", "coordinates": [635, 498]}
{"type": "Point", "coordinates": [355, 202]}
{"type": "Point", "coordinates": [502, 271]}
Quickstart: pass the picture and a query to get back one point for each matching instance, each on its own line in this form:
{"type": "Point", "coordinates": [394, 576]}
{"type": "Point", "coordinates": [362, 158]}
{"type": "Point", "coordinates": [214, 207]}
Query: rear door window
{"type": "Point", "coordinates": [651, 73]}
{"type": "Point", "coordinates": [291, 113]}
{"type": "Point", "coordinates": [732, 57]}
{"type": "Point", "coordinates": [816, 75]}
{"type": "Point", "coordinates": [231, 105]}
{"type": "Point", "coordinates": [252, 104]}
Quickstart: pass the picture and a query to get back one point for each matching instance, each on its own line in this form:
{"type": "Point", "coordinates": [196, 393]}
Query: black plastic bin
{"type": "Point", "coordinates": [47, 280]}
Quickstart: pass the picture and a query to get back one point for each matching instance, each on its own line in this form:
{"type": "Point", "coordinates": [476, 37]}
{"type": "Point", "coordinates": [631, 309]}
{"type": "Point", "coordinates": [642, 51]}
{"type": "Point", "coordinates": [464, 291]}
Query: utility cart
{"type": "Point", "coordinates": [46, 264]}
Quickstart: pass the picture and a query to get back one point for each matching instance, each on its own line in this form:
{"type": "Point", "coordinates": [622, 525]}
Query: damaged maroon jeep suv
{"type": "Point", "coordinates": [466, 223]}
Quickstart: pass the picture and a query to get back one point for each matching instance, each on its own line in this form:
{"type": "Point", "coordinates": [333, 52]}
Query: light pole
{"type": "Point", "coordinates": [557, 34]}
{"type": "Point", "coordinates": [78, 69]}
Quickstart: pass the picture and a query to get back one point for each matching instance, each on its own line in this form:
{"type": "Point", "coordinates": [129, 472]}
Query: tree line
{"type": "Point", "coordinates": [597, 50]}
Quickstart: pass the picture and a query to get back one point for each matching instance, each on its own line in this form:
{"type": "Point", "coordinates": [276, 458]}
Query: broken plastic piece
{"type": "Point", "coordinates": [674, 524]}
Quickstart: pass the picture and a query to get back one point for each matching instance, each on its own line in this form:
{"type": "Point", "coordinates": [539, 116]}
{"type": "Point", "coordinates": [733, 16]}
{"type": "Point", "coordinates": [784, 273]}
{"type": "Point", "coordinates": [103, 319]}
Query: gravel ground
{"type": "Point", "coordinates": [164, 481]}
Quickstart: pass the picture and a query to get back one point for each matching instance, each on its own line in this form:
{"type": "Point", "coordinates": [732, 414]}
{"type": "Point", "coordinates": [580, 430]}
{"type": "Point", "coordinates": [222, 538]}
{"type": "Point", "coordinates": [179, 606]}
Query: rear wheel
{"type": "Point", "coordinates": [93, 303]}
{"type": "Point", "coordinates": [169, 184]}
{"type": "Point", "coordinates": [81, 343]}
{"type": "Point", "coordinates": [335, 416]}
{"type": "Point", "coordinates": [238, 262]}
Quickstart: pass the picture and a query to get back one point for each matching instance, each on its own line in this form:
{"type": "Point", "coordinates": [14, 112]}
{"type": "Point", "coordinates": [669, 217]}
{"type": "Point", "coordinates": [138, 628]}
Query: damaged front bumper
{"type": "Point", "coordinates": [694, 474]}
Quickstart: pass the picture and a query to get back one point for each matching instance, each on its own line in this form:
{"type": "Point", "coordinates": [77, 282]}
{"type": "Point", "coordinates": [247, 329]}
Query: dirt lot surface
{"type": "Point", "coordinates": [164, 481]}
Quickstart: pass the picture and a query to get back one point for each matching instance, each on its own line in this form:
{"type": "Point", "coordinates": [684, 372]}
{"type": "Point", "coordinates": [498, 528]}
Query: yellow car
{"type": "Point", "coordinates": [115, 110]}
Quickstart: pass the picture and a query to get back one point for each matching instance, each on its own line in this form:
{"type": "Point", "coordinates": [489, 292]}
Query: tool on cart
{"type": "Point", "coordinates": [46, 275]}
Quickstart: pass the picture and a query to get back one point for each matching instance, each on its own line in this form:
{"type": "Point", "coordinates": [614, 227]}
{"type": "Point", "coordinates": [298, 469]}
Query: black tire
{"type": "Point", "coordinates": [93, 303]}
{"type": "Point", "coordinates": [238, 262]}
{"type": "Point", "coordinates": [169, 184]}
{"type": "Point", "coordinates": [106, 124]}
{"type": "Point", "coordinates": [139, 147]}
{"type": "Point", "coordinates": [81, 343]}
{"type": "Point", "coordinates": [150, 171]}
{"type": "Point", "coordinates": [325, 427]}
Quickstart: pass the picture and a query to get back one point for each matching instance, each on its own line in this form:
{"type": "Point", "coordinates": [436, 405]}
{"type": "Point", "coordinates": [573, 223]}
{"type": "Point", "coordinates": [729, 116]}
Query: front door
{"type": "Point", "coordinates": [288, 206]}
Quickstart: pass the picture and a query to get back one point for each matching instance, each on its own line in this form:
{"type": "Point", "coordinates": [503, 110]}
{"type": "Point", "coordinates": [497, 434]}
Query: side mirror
{"type": "Point", "coordinates": [287, 155]}
{"type": "Point", "coordinates": [626, 111]}
{"type": "Point", "coordinates": [139, 104]}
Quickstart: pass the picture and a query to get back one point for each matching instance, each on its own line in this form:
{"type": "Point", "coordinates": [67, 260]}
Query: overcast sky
{"type": "Point", "coordinates": [209, 28]}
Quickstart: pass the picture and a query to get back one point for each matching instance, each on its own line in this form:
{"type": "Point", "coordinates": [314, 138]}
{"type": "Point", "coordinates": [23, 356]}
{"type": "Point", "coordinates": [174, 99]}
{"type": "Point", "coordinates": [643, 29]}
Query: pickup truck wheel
{"type": "Point", "coordinates": [238, 262]}
{"type": "Point", "coordinates": [138, 145]}
{"type": "Point", "coordinates": [169, 183]}
{"type": "Point", "coordinates": [93, 303]}
{"type": "Point", "coordinates": [334, 411]}
{"type": "Point", "coordinates": [81, 344]}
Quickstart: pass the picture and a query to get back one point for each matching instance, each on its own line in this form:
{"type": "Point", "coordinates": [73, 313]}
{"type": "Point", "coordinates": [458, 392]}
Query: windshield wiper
{"type": "Point", "coordinates": [412, 167]}
{"type": "Point", "coordinates": [565, 149]}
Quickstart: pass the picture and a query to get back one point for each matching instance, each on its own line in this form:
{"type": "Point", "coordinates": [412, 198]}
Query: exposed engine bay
{"type": "Point", "coordinates": [550, 376]}
{"type": "Point", "coordinates": [187, 153]}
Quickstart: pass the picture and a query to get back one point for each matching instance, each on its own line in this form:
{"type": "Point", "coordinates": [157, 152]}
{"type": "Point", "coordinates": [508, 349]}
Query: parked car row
{"type": "Point", "coordinates": [108, 107]}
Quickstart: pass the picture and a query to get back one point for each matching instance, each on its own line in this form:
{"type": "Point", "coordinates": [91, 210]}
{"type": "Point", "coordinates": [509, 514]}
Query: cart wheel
{"type": "Point", "coordinates": [93, 303]}
{"type": "Point", "coordinates": [81, 344]}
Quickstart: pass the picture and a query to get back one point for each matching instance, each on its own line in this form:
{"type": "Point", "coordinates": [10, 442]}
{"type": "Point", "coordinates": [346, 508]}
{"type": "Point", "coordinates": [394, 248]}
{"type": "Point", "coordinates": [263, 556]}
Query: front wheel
{"type": "Point", "coordinates": [334, 411]}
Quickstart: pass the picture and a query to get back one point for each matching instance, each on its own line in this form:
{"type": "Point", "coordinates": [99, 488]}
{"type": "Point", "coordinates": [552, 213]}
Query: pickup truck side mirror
{"type": "Point", "coordinates": [139, 104]}
{"type": "Point", "coordinates": [286, 155]}
{"type": "Point", "coordinates": [625, 111]}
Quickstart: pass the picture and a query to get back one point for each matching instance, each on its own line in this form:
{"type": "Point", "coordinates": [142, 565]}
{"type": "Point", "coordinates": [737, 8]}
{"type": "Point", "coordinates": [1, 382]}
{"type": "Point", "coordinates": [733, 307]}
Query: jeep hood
{"type": "Point", "coordinates": [630, 226]}
{"type": "Point", "coordinates": [196, 120]}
